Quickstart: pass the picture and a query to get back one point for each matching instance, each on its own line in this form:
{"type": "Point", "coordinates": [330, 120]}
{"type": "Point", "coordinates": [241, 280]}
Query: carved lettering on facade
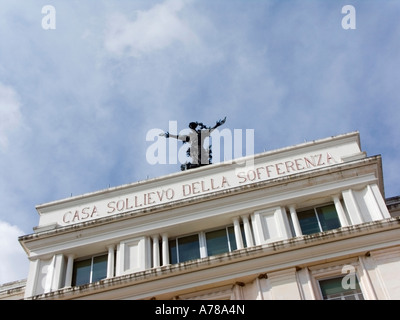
{"type": "Point", "coordinates": [198, 187]}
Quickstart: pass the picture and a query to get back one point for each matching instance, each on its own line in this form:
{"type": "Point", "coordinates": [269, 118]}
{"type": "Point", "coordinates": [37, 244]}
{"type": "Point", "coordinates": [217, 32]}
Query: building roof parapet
{"type": "Point", "coordinates": [271, 165]}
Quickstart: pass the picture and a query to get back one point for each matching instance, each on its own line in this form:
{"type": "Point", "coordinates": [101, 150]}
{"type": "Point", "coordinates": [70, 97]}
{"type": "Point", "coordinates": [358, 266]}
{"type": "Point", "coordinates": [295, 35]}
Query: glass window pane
{"type": "Point", "coordinates": [173, 257]}
{"type": "Point", "coordinates": [328, 217]}
{"type": "Point", "coordinates": [99, 270]}
{"type": "Point", "coordinates": [332, 289]}
{"type": "Point", "coordinates": [188, 248]}
{"type": "Point", "coordinates": [232, 238]}
{"type": "Point", "coordinates": [81, 273]}
{"type": "Point", "coordinates": [217, 242]}
{"type": "Point", "coordinates": [308, 222]}
{"type": "Point", "coordinates": [243, 235]}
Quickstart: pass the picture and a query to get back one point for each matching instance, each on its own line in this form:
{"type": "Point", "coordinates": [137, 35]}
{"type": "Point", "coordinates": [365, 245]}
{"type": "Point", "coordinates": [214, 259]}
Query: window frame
{"type": "Point", "coordinates": [91, 258]}
{"type": "Point", "coordinates": [316, 215]}
{"type": "Point", "coordinates": [176, 240]}
{"type": "Point", "coordinates": [228, 240]}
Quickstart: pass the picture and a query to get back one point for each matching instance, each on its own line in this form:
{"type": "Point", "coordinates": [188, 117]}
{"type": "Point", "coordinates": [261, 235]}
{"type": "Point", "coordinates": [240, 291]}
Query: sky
{"type": "Point", "coordinates": [82, 83]}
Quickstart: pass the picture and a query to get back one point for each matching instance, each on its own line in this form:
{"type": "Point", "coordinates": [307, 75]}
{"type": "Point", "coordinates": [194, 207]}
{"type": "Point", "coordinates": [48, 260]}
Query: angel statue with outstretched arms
{"type": "Point", "coordinates": [198, 133]}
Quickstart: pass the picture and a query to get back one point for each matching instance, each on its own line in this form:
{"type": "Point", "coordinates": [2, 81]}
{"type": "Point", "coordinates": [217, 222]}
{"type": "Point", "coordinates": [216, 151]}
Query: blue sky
{"type": "Point", "coordinates": [77, 101]}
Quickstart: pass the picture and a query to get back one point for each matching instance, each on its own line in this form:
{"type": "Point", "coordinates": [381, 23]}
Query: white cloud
{"type": "Point", "coordinates": [13, 260]}
{"type": "Point", "coordinates": [152, 30]}
{"type": "Point", "coordinates": [10, 114]}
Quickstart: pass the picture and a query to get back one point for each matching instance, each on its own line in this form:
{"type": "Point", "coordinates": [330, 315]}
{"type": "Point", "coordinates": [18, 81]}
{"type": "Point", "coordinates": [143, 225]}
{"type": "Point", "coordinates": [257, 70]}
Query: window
{"type": "Point", "coordinates": [89, 270]}
{"type": "Point", "coordinates": [332, 289]}
{"type": "Point", "coordinates": [319, 219]}
{"type": "Point", "coordinates": [184, 248]}
{"type": "Point", "coordinates": [220, 241]}
{"type": "Point", "coordinates": [189, 247]}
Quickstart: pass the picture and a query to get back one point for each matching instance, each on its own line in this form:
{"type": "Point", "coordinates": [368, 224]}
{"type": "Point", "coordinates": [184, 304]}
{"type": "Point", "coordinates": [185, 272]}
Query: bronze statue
{"type": "Point", "coordinates": [199, 132]}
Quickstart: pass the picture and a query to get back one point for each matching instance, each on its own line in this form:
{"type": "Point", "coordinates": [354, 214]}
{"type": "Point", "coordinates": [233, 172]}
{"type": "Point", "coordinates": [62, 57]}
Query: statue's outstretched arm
{"type": "Point", "coordinates": [164, 134]}
{"type": "Point", "coordinates": [218, 123]}
{"type": "Point", "coordinates": [169, 135]}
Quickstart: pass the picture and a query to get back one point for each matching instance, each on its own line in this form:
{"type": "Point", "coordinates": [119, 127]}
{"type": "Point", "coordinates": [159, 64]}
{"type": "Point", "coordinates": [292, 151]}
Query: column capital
{"type": "Point", "coordinates": [336, 197]}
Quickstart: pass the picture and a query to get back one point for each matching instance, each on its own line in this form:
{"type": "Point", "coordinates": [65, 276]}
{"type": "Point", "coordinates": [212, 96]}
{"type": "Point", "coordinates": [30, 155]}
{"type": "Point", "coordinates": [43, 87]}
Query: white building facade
{"type": "Point", "coordinates": [304, 222]}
